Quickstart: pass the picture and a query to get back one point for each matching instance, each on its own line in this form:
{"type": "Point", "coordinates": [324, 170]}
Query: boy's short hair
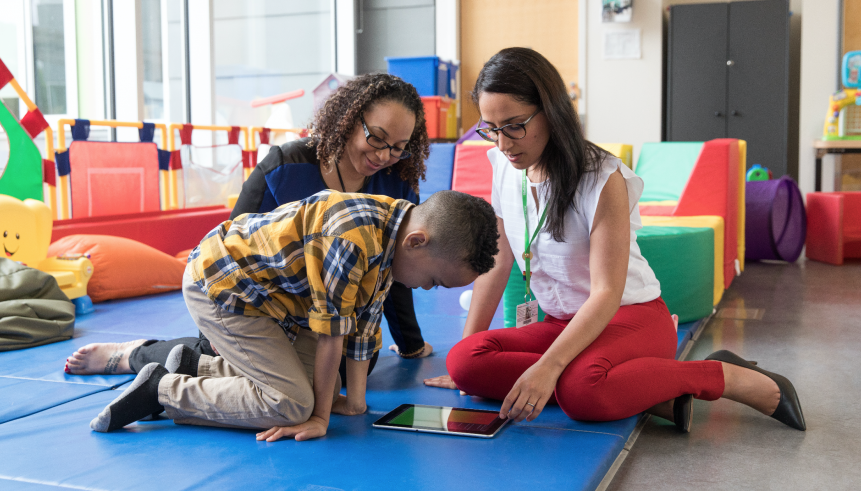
{"type": "Point", "coordinates": [461, 227]}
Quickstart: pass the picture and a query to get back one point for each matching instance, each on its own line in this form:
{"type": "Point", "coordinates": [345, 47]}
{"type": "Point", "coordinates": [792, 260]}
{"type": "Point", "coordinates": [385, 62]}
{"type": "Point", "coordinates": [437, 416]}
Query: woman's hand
{"type": "Point", "coordinates": [444, 382]}
{"type": "Point", "coordinates": [530, 393]}
{"type": "Point", "coordinates": [344, 406]}
{"type": "Point", "coordinates": [315, 427]}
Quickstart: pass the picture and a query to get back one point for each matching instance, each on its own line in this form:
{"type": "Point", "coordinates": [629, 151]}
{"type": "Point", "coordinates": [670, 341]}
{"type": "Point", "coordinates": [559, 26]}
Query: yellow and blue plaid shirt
{"type": "Point", "coordinates": [322, 263]}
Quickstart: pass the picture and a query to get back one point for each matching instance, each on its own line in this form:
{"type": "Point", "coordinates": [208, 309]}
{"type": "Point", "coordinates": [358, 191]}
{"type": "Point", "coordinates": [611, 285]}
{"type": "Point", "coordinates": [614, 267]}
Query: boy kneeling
{"type": "Point", "coordinates": [281, 295]}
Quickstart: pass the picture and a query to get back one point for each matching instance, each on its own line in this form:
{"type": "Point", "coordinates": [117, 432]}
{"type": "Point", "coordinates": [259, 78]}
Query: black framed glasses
{"type": "Point", "coordinates": [515, 131]}
{"type": "Point", "coordinates": [380, 144]}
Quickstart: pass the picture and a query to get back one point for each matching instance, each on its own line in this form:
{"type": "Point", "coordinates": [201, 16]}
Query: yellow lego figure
{"type": "Point", "coordinates": [25, 234]}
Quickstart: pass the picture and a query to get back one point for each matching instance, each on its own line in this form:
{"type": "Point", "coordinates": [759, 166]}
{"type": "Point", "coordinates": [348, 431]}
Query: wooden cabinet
{"type": "Point", "coordinates": [728, 77]}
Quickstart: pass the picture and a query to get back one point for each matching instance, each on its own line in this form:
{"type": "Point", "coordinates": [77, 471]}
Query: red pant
{"type": "Point", "coordinates": [629, 368]}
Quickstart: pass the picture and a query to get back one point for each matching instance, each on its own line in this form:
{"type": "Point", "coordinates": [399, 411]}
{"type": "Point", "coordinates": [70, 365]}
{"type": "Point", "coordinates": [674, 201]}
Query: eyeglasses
{"type": "Point", "coordinates": [515, 131]}
{"type": "Point", "coordinates": [380, 144]}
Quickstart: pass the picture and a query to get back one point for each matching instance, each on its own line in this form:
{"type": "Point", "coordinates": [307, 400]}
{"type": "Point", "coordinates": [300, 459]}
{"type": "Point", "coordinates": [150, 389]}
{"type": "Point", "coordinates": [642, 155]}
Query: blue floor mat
{"type": "Point", "coordinates": [353, 455]}
{"type": "Point", "coordinates": [395, 382]}
{"type": "Point", "coordinates": [23, 397]}
{"type": "Point", "coordinates": [46, 414]}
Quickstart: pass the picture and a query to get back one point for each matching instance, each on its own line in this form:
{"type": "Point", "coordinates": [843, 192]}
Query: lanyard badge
{"type": "Point", "coordinates": [527, 312]}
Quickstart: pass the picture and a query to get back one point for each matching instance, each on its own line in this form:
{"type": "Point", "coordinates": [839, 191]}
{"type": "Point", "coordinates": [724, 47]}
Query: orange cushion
{"type": "Point", "coordinates": [122, 267]}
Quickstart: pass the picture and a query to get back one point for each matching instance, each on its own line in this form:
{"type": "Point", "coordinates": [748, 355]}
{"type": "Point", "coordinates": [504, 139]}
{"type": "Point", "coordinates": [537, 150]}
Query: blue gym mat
{"type": "Point", "coordinates": [47, 443]}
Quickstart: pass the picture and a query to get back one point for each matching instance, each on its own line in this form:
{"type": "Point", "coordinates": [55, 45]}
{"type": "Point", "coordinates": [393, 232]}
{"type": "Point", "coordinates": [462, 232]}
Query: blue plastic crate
{"type": "Point", "coordinates": [427, 73]}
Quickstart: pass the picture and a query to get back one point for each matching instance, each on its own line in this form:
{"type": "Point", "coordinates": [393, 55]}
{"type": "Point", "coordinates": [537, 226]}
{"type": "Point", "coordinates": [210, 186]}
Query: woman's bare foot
{"type": "Point", "coordinates": [426, 351]}
{"type": "Point", "coordinates": [102, 358]}
{"type": "Point", "coordinates": [751, 388]}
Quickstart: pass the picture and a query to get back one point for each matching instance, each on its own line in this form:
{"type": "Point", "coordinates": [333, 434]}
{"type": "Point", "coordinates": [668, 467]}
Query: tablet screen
{"type": "Point", "coordinates": [443, 419]}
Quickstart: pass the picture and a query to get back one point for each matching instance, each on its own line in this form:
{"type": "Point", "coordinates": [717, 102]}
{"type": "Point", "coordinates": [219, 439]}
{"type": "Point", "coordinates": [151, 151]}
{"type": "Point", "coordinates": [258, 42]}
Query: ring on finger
{"type": "Point", "coordinates": [530, 404]}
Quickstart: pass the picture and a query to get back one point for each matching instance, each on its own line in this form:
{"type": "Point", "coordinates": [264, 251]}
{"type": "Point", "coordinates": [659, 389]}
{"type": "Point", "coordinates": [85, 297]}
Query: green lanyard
{"type": "Point", "coordinates": [527, 255]}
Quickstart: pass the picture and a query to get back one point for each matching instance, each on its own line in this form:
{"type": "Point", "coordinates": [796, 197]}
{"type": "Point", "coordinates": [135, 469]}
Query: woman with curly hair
{"type": "Point", "coordinates": [369, 137]}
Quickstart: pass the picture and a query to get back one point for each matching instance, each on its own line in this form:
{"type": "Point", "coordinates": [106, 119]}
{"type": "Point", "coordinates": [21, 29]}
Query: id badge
{"type": "Point", "coordinates": [527, 313]}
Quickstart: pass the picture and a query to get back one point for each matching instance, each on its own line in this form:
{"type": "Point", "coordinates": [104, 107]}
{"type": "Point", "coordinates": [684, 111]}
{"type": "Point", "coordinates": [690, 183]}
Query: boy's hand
{"type": "Point", "coordinates": [315, 427]}
{"type": "Point", "coordinates": [343, 405]}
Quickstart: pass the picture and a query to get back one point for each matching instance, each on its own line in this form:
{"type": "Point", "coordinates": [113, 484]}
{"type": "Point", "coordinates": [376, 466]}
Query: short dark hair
{"type": "Point", "coordinates": [531, 79]}
{"type": "Point", "coordinates": [334, 122]}
{"type": "Point", "coordinates": [462, 226]}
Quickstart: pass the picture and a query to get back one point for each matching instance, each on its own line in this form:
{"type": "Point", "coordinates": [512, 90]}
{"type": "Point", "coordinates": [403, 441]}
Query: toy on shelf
{"type": "Point", "coordinates": [327, 87]}
{"type": "Point", "coordinates": [26, 234]}
{"type": "Point", "coordinates": [843, 119]}
{"type": "Point", "coordinates": [759, 173]}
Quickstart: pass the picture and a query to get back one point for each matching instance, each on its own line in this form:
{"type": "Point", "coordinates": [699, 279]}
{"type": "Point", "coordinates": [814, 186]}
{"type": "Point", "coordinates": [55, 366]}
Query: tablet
{"type": "Point", "coordinates": [479, 423]}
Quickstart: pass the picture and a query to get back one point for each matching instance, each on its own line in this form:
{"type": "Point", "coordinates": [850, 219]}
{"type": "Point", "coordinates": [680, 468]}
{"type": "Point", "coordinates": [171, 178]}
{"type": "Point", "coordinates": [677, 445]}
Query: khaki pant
{"type": "Point", "coordinates": [260, 380]}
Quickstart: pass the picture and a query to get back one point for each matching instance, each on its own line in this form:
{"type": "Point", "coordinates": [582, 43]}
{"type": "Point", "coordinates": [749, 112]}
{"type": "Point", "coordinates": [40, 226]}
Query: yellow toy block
{"type": "Point", "coordinates": [742, 172]}
{"type": "Point", "coordinates": [26, 234]}
{"type": "Point", "coordinates": [483, 143]}
{"type": "Point", "coordinates": [713, 222]}
{"type": "Point", "coordinates": [624, 151]}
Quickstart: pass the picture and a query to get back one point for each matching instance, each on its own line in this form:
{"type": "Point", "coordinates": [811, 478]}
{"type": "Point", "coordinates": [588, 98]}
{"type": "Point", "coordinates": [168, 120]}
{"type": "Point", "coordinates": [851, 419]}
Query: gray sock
{"type": "Point", "coordinates": [136, 402]}
{"type": "Point", "coordinates": [182, 360]}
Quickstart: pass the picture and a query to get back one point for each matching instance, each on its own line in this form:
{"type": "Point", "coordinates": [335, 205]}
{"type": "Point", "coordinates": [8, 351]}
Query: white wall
{"type": "Point", "coordinates": [819, 48]}
{"type": "Point", "coordinates": [623, 97]}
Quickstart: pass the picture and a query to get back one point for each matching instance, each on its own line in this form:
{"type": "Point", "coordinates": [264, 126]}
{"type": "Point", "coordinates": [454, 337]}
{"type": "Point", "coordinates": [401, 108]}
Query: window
{"type": "Point", "coordinates": [268, 48]}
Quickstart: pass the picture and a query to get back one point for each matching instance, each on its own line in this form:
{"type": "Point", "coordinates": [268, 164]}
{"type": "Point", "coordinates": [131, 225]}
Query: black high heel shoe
{"type": "Point", "coordinates": [683, 412]}
{"type": "Point", "coordinates": [788, 409]}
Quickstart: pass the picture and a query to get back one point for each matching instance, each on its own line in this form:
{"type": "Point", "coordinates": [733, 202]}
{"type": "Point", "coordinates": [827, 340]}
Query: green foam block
{"type": "Point", "coordinates": [683, 261]}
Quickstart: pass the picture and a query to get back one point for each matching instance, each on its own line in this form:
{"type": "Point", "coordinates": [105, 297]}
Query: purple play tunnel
{"type": "Point", "coordinates": [775, 220]}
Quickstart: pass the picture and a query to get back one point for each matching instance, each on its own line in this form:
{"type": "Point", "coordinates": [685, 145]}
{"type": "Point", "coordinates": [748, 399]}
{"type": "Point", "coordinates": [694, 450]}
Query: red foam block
{"type": "Point", "coordinates": [168, 231]}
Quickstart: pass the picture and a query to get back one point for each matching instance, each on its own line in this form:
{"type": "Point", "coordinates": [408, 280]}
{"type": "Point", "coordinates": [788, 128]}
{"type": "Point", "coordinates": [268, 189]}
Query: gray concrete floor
{"type": "Point", "coordinates": [811, 333]}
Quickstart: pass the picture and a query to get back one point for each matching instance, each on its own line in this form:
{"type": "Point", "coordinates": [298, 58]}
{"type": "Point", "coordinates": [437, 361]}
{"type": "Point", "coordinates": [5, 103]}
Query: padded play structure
{"type": "Point", "coordinates": [776, 223]}
{"type": "Point", "coordinates": [46, 415]}
{"type": "Point", "coordinates": [257, 151]}
{"type": "Point", "coordinates": [834, 226]}
{"type": "Point", "coordinates": [26, 170]}
{"type": "Point", "coordinates": [111, 178]}
{"type": "Point", "coordinates": [687, 185]}
{"type": "Point", "coordinates": [691, 179]}
{"type": "Point", "coordinates": [212, 169]}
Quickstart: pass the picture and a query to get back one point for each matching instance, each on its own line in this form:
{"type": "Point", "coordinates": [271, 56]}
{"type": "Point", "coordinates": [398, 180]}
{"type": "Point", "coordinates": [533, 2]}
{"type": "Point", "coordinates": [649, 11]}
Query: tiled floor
{"type": "Point", "coordinates": [810, 331]}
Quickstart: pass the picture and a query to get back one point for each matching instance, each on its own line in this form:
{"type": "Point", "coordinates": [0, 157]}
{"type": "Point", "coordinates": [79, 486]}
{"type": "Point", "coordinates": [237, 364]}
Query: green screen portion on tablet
{"type": "Point", "coordinates": [405, 418]}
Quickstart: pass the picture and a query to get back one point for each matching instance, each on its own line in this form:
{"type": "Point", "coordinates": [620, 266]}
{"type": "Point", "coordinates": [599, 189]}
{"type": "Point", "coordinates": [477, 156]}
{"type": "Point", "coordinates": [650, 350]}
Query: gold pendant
{"type": "Point", "coordinates": [527, 256]}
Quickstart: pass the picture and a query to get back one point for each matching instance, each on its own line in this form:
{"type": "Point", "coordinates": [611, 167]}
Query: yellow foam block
{"type": "Point", "coordinates": [667, 202]}
{"type": "Point", "coordinates": [713, 222]}
{"type": "Point", "coordinates": [624, 151]}
{"type": "Point", "coordinates": [27, 227]}
{"type": "Point", "coordinates": [479, 142]}
{"type": "Point", "coordinates": [742, 173]}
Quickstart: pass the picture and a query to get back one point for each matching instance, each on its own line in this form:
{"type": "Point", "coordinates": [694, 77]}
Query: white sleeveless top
{"type": "Point", "coordinates": [560, 270]}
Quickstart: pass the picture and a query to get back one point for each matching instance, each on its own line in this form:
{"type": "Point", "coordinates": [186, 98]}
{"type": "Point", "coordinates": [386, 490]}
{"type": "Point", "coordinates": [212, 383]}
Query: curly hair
{"type": "Point", "coordinates": [463, 228]}
{"type": "Point", "coordinates": [335, 121]}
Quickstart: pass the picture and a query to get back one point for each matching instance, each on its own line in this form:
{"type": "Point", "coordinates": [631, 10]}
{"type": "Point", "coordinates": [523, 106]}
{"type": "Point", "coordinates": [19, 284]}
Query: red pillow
{"type": "Point", "coordinates": [122, 267]}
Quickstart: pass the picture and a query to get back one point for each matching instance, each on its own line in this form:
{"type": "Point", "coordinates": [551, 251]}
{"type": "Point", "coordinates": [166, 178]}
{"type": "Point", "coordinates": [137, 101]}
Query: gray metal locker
{"type": "Point", "coordinates": [728, 76]}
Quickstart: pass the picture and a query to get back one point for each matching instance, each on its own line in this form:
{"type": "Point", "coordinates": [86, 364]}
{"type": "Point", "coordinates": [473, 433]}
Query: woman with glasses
{"type": "Point", "coordinates": [567, 214]}
{"type": "Point", "coordinates": [369, 137]}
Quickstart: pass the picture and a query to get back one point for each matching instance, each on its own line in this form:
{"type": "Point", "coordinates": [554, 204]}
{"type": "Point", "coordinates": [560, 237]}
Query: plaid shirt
{"type": "Point", "coordinates": [322, 263]}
